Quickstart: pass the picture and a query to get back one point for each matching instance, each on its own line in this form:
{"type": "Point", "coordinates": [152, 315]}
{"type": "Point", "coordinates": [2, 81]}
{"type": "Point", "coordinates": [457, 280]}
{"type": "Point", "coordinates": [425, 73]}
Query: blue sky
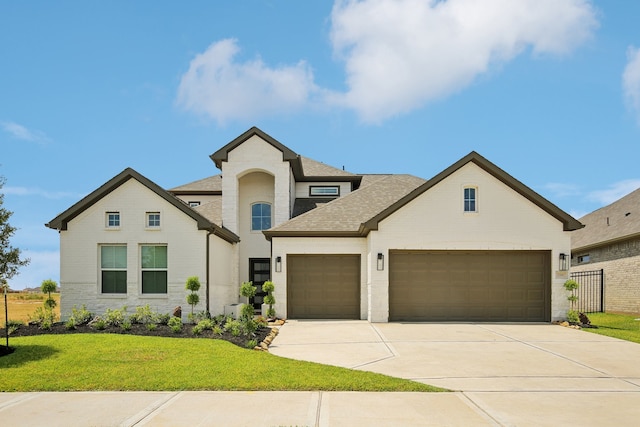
{"type": "Point", "coordinates": [549, 90]}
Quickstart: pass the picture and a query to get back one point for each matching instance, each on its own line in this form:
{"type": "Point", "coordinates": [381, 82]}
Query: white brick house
{"type": "Point", "coordinates": [470, 244]}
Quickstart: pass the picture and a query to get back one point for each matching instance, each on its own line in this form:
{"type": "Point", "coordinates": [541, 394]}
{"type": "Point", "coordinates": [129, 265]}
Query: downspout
{"type": "Point", "coordinates": [209, 233]}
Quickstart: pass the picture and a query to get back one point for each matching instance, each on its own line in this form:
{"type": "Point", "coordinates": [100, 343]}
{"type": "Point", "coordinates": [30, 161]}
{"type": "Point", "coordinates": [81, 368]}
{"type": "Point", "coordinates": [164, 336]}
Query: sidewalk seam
{"type": "Point", "coordinates": [150, 410]}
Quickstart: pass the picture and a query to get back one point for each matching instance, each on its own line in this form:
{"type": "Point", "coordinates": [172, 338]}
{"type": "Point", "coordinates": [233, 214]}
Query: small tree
{"type": "Point", "coordinates": [47, 287]}
{"type": "Point", "coordinates": [269, 287]}
{"type": "Point", "coordinates": [193, 285]}
{"type": "Point", "coordinates": [249, 291]}
{"type": "Point", "coordinates": [571, 286]}
{"type": "Point", "coordinates": [10, 260]}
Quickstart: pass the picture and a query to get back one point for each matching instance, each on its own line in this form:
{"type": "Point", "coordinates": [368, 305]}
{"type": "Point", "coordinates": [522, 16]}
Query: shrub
{"type": "Point", "coordinates": [99, 323]}
{"type": "Point", "coordinates": [143, 315]}
{"type": "Point", "coordinates": [70, 324]}
{"type": "Point", "coordinates": [47, 287]}
{"type": "Point", "coordinates": [162, 319]}
{"type": "Point", "coordinates": [252, 344]}
{"type": "Point", "coordinates": [175, 323]}
{"type": "Point", "coordinates": [80, 316]}
{"type": "Point", "coordinates": [115, 317]}
{"type": "Point", "coordinates": [269, 287]}
{"type": "Point", "coordinates": [217, 329]}
{"type": "Point", "coordinates": [197, 317]}
{"type": "Point", "coordinates": [44, 317]}
{"type": "Point", "coordinates": [152, 326]}
{"type": "Point", "coordinates": [571, 286]}
{"type": "Point", "coordinates": [13, 325]}
{"type": "Point", "coordinates": [248, 291]}
{"type": "Point", "coordinates": [202, 326]}
{"type": "Point", "coordinates": [126, 325]}
{"type": "Point", "coordinates": [233, 327]}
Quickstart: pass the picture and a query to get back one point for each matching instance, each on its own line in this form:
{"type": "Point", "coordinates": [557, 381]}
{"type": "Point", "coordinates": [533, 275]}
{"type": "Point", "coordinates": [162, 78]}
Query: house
{"type": "Point", "coordinates": [470, 244]}
{"type": "Point", "coordinates": [610, 241]}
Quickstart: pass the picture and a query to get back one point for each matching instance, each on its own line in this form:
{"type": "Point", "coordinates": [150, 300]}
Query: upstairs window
{"type": "Point", "coordinates": [194, 203]}
{"type": "Point", "coordinates": [113, 219]}
{"type": "Point", "coordinates": [324, 190]}
{"type": "Point", "coordinates": [260, 216]}
{"type": "Point", "coordinates": [470, 199]}
{"type": "Point", "coordinates": [113, 269]}
{"type": "Point", "coordinates": [153, 219]}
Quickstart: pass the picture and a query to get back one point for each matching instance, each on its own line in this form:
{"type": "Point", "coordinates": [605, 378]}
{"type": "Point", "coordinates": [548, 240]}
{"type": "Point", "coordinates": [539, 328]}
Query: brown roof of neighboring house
{"type": "Point", "coordinates": [359, 212]}
{"type": "Point", "coordinates": [211, 185]}
{"type": "Point", "coordinates": [61, 221]}
{"type": "Point", "coordinates": [618, 221]}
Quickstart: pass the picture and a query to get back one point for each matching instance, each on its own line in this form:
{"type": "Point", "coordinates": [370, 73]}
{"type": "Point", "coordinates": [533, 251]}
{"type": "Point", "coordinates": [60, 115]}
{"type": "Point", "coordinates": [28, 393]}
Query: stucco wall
{"type": "Point", "coordinates": [79, 252]}
{"type": "Point", "coordinates": [317, 245]}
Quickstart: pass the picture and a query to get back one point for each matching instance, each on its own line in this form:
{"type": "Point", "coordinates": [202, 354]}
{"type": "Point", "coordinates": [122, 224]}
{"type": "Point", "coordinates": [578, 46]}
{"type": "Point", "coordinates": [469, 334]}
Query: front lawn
{"type": "Point", "coordinates": [622, 326]}
{"type": "Point", "coordinates": [83, 362]}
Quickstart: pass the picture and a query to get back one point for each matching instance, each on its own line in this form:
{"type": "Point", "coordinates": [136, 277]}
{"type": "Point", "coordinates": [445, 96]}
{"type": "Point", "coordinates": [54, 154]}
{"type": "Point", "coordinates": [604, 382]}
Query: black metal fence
{"type": "Point", "coordinates": [590, 293]}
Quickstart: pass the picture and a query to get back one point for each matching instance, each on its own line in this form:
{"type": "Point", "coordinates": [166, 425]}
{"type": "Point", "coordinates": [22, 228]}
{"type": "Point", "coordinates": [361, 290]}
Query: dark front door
{"type": "Point", "coordinates": [259, 272]}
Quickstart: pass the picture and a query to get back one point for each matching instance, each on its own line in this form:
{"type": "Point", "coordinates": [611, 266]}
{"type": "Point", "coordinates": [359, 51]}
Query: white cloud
{"type": "Point", "coordinates": [631, 80]}
{"type": "Point", "coordinates": [225, 89]}
{"type": "Point", "coordinates": [18, 131]}
{"type": "Point", "coordinates": [562, 189]}
{"type": "Point", "coordinates": [614, 192]}
{"type": "Point", "coordinates": [26, 191]}
{"type": "Point", "coordinates": [402, 54]}
{"type": "Point", "coordinates": [44, 265]}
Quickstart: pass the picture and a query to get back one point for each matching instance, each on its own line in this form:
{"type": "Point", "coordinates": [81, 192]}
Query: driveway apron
{"type": "Point", "coordinates": [514, 374]}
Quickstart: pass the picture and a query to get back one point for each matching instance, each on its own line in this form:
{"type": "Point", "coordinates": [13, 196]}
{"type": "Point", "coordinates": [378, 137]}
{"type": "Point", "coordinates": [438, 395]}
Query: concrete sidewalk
{"type": "Point", "coordinates": [238, 409]}
{"type": "Point", "coordinates": [505, 375]}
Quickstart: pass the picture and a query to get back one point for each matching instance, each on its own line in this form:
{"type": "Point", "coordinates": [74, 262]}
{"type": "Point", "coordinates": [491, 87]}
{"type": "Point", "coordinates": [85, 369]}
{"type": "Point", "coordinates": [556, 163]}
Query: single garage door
{"type": "Point", "coordinates": [491, 286]}
{"type": "Point", "coordinates": [323, 286]}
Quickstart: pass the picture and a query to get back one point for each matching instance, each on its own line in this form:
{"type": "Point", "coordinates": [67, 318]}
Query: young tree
{"type": "Point", "coordinates": [10, 260]}
{"type": "Point", "coordinates": [47, 287]}
{"type": "Point", "coordinates": [193, 285]}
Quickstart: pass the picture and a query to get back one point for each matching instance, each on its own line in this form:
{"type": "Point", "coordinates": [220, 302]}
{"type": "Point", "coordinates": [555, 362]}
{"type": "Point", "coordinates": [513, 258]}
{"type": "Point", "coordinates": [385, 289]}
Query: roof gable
{"type": "Point", "coordinates": [569, 223]}
{"type": "Point", "coordinates": [222, 155]}
{"type": "Point", "coordinates": [61, 221]}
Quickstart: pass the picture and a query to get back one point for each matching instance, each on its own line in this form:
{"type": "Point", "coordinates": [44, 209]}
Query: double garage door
{"type": "Point", "coordinates": [491, 286]}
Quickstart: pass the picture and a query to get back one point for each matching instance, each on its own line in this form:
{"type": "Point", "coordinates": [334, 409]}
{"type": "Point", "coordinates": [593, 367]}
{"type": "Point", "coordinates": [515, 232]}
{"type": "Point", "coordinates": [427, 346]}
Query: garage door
{"type": "Point", "coordinates": [495, 286]}
{"type": "Point", "coordinates": [323, 286]}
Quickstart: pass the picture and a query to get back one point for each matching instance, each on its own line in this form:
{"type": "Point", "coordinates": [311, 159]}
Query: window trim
{"type": "Point", "coordinates": [256, 230]}
{"type": "Point", "coordinates": [146, 269]}
{"type": "Point", "coordinates": [107, 220]}
{"type": "Point", "coordinates": [147, 220]}
{"type": "Point", "coordinates": [321, 194]}
{"type": "Point", "coordinates": [467, 201]}
{"type": "Point", "coordinates": [102, 269]}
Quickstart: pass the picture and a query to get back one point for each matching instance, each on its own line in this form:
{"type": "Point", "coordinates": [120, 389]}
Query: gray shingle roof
{"type": "Point", "coordinates": [345, 215]}
{"type": "Point", "coordinates": [210, 185]}
{"type": "Point", "coordinates": [312, 167]}
{"type": "Point", "coordinates": [617, 221]}
{"type": "Point", "coordinates": [211, 210]}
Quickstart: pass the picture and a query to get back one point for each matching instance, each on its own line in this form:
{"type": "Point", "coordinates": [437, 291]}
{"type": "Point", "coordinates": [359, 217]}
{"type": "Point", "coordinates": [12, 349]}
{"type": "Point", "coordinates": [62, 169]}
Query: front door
{"type": "Point", "coordinates": [259, 272]}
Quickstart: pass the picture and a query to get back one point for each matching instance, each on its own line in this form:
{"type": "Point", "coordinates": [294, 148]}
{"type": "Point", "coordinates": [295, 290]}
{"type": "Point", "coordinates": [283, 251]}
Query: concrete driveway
{"type": "Point", "coordinates": [508, 374]}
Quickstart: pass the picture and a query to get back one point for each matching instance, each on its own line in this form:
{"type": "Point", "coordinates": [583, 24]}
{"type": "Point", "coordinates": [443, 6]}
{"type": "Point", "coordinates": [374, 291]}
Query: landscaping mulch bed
{"type": "Point", "coordinates": [136, 329]}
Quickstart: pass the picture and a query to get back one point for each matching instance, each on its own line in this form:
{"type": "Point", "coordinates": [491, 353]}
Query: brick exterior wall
{"type": "Point", "coordinates": [621, 264]}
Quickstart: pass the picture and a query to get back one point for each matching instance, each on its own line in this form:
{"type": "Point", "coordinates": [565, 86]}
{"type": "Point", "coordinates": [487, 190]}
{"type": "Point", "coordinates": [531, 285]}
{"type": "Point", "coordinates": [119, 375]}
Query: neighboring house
{"type": "Point", "coordinates": [470, 244]}
{"type": "Point", "coordinates": [610, 241]}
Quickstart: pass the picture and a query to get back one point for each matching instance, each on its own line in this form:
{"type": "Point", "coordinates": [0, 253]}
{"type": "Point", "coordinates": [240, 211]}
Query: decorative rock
{"type": "Point", "coordinates": [177, 312]}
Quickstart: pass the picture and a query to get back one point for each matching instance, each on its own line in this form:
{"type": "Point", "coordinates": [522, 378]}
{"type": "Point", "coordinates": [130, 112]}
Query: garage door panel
{"type": "Point", "coordinates": [469, 285]}
{"type": "Point", "coordinates": [323, 286]}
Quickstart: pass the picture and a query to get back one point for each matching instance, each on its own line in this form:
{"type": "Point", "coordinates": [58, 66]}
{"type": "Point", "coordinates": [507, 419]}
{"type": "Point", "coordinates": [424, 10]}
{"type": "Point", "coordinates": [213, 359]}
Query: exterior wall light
{"type": "Point", "coordinates": [564, 262]}
{"type": "Point", "coordinates": [278, 264]}
{"type": "Point", "coordinates": [380, 265]}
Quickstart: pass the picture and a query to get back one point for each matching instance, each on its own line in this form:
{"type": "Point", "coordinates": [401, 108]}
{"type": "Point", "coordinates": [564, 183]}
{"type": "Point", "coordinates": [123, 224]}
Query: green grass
{"type": "Point", "coordinates": [81, 362]}
{"type": "Point", "coordinates": [622, 326]}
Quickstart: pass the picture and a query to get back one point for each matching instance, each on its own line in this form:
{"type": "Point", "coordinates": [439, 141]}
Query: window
{"type": "Point", "coordinates": [113, 269]}
{"type": "Point", "coordinates": [324, 190]}
{"type": "Point", "coordinates": [153, 219]}
{"type": "Point", "coordinates": [260, 216]}
{"type": "Point", "coordinates": [154, 269]}
{"type": "Point", "coordinates": [470, 202]}
{"type": "Point", "coordinates": [113, 219]}
{"type": "Point", "coordinates": [194, 203]}
{"type": "Point", "coordinates": [582, 259]}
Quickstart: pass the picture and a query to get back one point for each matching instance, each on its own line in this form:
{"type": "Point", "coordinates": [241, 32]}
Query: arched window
{"type": "Point", "coordinates": [260, 216]}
